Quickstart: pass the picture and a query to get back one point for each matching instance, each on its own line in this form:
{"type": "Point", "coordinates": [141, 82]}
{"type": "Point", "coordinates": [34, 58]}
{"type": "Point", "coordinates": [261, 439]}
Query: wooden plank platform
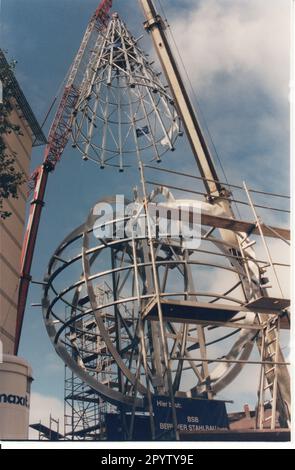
{"type": "Point", "coordinates": [227, 223]}
{"type": "Point", "coordinates": [243, 226]}
{"type": "Point", "coordinates": [204, 313]}
{"type": "Point", "coordinates": [47, 432]}
{"type": "Point", "coordinates": [268, 304]}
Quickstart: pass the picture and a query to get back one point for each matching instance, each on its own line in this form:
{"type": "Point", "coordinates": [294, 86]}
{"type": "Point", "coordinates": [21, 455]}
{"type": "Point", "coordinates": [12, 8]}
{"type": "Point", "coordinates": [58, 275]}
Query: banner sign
{"type": "Point", "coordinates": [114, 427]}
{"type": "Point", "coordinates": [193, 415]}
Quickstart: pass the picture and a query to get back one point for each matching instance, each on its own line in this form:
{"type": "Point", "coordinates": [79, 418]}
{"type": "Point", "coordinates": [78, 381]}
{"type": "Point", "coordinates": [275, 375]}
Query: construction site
{"type": "Point", "coordinates": [170, 285]}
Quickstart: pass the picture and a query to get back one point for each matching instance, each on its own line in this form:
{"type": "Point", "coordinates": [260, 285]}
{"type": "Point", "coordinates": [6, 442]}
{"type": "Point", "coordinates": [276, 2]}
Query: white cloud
{"type": "Point", "coordinates": [41, 408]}
{"type": "Point", "coordinates": [249, 40]}
{"type": "Point", "coordinates": [237, 56]}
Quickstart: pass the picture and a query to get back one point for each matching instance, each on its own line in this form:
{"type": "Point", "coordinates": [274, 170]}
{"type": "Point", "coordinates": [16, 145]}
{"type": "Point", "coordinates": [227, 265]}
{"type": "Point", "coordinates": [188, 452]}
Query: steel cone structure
{"type": "Point", "coordinates": [123, 108]}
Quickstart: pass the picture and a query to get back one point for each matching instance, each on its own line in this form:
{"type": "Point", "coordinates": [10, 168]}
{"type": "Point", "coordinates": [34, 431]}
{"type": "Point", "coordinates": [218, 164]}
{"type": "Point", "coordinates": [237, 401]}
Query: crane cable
{"type": "Point", "coordinates": [57, 94]}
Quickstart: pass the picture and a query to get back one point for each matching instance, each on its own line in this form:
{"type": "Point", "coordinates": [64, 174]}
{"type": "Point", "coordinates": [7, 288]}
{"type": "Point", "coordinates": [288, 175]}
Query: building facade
{"type": "Point", "coordinates": [12, 228]}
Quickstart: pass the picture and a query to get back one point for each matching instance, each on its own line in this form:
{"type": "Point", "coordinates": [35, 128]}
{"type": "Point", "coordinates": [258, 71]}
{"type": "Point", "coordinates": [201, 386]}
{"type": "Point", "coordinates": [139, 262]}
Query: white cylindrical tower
{"type": "Point", "coordinates": [15, 385]}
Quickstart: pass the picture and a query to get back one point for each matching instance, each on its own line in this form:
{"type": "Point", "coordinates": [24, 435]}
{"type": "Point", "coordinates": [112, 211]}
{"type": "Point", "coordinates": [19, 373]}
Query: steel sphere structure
{"type": "Point", "coordinates": [98, 294]}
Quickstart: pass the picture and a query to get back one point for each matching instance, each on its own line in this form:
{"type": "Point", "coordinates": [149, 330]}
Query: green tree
{"type": "Point", "coordinates": [10, 177]}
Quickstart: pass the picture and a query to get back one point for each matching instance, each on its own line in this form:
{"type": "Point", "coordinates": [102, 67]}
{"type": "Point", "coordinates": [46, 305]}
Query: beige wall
{"type": "Point", "coordinates": [11, 236]}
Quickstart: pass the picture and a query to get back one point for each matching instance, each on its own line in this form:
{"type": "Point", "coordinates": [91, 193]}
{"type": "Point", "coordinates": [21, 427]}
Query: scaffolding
{"type": "Point", "coordinates": [84, 410]}
{"type": "Point", "coordinates": [48, 433]}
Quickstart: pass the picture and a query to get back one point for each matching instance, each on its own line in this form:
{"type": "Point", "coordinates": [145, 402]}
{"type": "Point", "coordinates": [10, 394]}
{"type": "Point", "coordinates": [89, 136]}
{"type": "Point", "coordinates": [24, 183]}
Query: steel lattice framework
{"type": "Point", "coordinates": [125, 312]}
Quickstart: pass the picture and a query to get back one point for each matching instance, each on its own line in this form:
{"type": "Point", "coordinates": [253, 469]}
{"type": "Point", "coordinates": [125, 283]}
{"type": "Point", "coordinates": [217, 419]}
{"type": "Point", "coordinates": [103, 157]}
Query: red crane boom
{"type": "Point", "coordinates": [57, 140]}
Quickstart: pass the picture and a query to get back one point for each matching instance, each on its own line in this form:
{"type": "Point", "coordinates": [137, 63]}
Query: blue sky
{"type": "Point", "coordinates": [237, 57]}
